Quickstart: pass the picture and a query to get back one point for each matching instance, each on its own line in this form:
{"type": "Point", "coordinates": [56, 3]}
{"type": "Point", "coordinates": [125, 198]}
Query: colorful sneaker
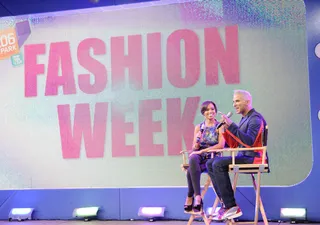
{"type": "Point", "coordinates": [232, 213]}
{"type": "Point", "coordinates": [217, 216]}
{"type": "Point", "coordinates": [228, 214]}
{"type": "Point", "coordinates": [217, 213]}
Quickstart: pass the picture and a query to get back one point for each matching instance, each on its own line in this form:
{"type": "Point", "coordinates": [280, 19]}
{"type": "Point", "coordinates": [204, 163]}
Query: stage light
{"type": "Point", "coordinates": [86, 213]}
{"type": "Point", "coordinates": [151, 212]}
{"type": "Point", "coordinates": [209, 210]}
{"type": "Point", "coordinates": [20, 214]}
{"type": "Point", "coordinates": [293, 214]}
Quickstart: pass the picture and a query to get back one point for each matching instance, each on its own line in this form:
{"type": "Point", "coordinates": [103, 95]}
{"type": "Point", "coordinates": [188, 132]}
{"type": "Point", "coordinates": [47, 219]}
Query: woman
{"type": "Point", "coordinates": [206, 137]}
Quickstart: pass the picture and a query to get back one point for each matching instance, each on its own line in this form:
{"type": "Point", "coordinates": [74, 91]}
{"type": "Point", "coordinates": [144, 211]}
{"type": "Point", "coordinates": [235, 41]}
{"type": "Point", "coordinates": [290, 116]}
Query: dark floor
{"type": "Point", "coordinates": [60, 222]}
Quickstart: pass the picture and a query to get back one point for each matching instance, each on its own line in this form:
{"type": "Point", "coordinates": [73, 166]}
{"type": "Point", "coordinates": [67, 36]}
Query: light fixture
{"type": "Point", "coordinates": [151, 212]}
{"type": "Point", "coordinates": [86, 213]}
{"type": "Point", "coordinates": [294, 214]}
{"type": "Point", "coordinates": [20, 214]}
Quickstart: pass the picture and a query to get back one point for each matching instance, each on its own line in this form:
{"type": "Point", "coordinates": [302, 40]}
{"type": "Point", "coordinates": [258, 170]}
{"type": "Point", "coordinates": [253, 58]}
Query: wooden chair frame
{"type": "Point", "coordinates": [249, 169]}
{"type": "Point", "coordinates": [208, 182]}
{"type": "Point", "coordinates": [237, 169]}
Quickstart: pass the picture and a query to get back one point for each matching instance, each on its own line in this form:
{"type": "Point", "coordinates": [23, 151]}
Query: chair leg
{"type": "Point", "coordinates": [205, 188]}
{"type": "Point", "coordinates": [202, 214]}
{"type": "Point", "coordinates": [205, 219]}
{"type": "Point", "coordinates": [262, 211]}
{"type": "Point", "coordinates": [216, 201]}
{"type": "Point", "coordinates": [235, 181]}
{"type": "Point", "coordinates": [256, 216]}
{"type": "Point", "coordinates": [234, 187]}
{"type": "Point", "coordinates": [215, 204]}
{"type": "Point", "coordinates": [191, 218]}
{"type": "Point", "coordinates": [230, 222]}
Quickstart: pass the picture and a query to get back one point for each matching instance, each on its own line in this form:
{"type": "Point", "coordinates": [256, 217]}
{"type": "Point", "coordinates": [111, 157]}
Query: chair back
{"type": "Point", "coordinates": [265, 143]}
{"type": "Point", "coordinates": [265, 136]}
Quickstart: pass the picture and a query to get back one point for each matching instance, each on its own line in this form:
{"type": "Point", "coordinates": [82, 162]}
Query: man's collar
{"type": "Point", "coordinates": [249, 113]}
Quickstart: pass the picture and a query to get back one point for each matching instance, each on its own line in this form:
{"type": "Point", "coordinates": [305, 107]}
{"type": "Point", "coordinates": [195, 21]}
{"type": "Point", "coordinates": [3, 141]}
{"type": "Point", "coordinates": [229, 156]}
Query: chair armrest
{"type": "Point", "coordinates": [234, 150]}
{"type": "Point", "coordinates": [184, 151]}
{"type": "Point", "coordinates": [185, 155]}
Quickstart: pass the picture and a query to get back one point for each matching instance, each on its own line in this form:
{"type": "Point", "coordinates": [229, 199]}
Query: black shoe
{"type": "Point", "coordinates": [199, 207]}
{"type": "Point", "coordinates": [188, 208]}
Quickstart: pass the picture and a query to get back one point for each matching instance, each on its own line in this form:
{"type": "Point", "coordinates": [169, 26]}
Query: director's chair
{"type": "Point", "coordinates": [193, 215]}
{"type": "Point", "coordinates": [252, 169]}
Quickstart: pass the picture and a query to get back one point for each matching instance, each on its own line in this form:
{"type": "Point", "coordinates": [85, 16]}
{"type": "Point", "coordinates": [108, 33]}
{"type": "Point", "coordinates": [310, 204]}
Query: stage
{"type": "Point", "coordinates": [97, 105]}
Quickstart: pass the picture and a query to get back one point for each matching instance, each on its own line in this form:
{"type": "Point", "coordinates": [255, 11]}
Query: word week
{"type": "Point", "coordinates": [59, 74]}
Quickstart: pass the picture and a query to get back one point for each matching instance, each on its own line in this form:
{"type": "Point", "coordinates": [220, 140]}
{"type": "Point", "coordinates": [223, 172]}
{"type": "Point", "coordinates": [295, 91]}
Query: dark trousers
{"type": "Point", "coordinates": [218, 170]}
{"type": "Point", "coordinates": [197, 165]}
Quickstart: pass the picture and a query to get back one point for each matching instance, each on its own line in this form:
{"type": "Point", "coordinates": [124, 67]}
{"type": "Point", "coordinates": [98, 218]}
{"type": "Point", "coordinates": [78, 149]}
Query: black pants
{"type": "Point", "coordinates": [197, 165]}
{"type": "Point", "coordinates": [218, 170]}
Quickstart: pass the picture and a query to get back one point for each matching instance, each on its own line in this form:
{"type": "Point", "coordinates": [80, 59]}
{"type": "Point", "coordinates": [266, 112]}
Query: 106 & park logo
{"type": "Point", "coordinates": [17, 32]}
{"type": "Point", "coordinates": [9, 46]}
{"type": "Point", "coordinates": [13, 37]}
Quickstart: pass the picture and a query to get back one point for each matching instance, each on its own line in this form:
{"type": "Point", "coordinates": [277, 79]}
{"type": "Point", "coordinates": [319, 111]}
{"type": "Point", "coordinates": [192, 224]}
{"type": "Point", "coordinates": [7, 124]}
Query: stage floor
{"type": "Point", "coordinates": [61, 222]}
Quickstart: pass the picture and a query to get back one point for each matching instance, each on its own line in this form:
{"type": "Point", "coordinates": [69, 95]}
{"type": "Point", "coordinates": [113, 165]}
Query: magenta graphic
{"type": "Point", "coordinates": [23, 31]}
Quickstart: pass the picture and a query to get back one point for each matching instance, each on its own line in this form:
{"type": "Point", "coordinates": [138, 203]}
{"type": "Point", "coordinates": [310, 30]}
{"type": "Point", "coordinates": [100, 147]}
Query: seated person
{"type": "Point", "coordinates": [246, 134]}
{"type": "Point", "coordinates": [206, 137]}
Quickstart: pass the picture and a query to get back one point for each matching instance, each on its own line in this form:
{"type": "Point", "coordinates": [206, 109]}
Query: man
{"type": "Point", "coordinates": [246, 134]}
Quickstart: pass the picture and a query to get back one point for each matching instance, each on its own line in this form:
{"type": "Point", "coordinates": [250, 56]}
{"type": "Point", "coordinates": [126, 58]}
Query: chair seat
{"type": "Point", "coordinates": [249, 168]}
{"type": "Point", "coordinates": [243, 168]}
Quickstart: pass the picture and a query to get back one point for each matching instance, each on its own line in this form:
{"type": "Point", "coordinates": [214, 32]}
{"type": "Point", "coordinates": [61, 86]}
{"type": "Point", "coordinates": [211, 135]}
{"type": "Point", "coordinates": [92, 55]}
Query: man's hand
{"type": "Point", "coordinates": [225, 119]}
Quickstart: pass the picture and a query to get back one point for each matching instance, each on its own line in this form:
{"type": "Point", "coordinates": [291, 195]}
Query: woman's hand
{"type": "Point", "coordinates": [196, 146]}
{"type": "Point", "coordinates": [196, 153]}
